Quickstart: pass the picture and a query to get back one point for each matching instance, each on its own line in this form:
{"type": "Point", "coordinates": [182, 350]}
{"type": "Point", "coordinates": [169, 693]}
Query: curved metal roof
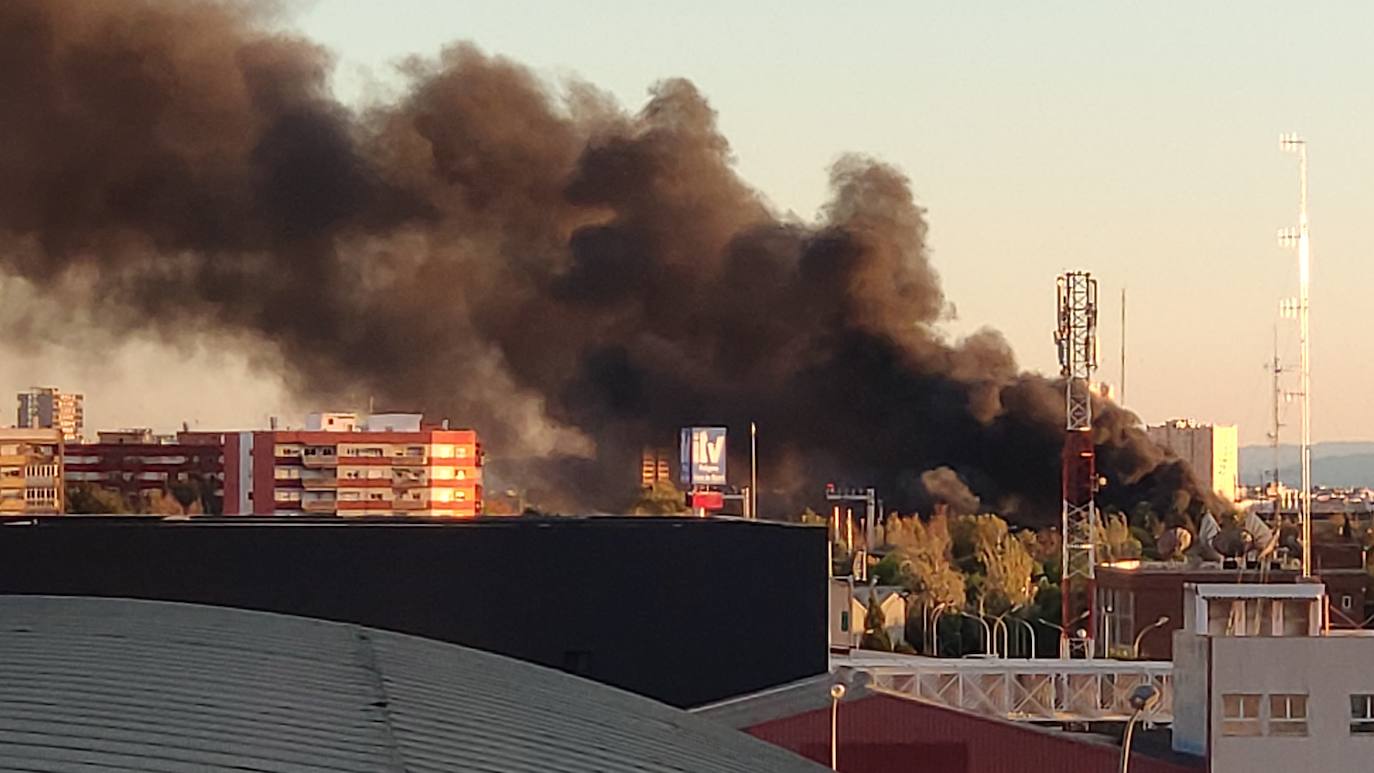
{"type": "Point", "coordinates": [112, 684]}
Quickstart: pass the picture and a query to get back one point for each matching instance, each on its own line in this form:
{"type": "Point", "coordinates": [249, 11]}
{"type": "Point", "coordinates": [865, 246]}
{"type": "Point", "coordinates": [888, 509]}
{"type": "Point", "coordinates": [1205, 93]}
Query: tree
{"type": "Point", "coordinates": [661, 498]}
{"type": "Point", "coordinates": [84, 498]}
{"type": "Point", "coordinates": [998, 564]}
{"type": "Point", "coordinates": [875, 625]}
{"type": "Point", "coordinates": [1117, 539]}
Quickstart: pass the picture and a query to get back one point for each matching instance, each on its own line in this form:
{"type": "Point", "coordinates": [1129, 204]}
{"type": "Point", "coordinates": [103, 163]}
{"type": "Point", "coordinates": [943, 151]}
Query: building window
{"type": "Point", "coordinates": [1240, 713]}
{"type": "Point", "coordinates": [1288, 714]}
{"type": "Point", "coordinates": [844, 620]}
{"type": "Point", "coordinates": [1362, 714]}
{"type": "Point", "coordinates": [1347, 603]}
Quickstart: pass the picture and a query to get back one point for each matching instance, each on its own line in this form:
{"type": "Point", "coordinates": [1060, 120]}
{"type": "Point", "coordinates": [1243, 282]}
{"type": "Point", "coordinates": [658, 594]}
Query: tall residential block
{"type": "Point", "coordinates": [349, 465]}
{"type": "Point", "coordinates": [30, 471]}
{"type": "Point", "coordinates": [1211, 450]}
{"type": "Point", "coordinates": [51, 408]}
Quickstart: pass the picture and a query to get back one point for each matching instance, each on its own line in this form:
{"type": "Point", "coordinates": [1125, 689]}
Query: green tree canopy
{"type": "Point", "coordinates": [662, 498]}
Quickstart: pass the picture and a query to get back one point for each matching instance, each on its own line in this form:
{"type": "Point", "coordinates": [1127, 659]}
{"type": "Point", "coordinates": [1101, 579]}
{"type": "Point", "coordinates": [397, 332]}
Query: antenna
{"type": "Point", "coordinates": [1121, 400]}
{"type": "Point", "coordinates": [1276, 369]}
{"type": "Point", "coordinates": [1298, 237]}
{"type": "Point", "coordinates": [1076, 336]}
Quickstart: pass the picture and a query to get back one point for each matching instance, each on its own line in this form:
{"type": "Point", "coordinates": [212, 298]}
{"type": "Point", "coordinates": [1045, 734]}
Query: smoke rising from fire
{"type": "Point", "coordinates": [575, 280]}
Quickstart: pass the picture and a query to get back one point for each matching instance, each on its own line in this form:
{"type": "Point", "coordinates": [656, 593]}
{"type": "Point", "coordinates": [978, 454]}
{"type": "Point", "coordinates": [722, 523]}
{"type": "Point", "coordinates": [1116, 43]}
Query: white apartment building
{"type": "Point", "coordinates": [1211, 450]}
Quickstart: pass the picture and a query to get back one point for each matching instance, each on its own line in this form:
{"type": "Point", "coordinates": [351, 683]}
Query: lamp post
{"type": "Point", "coordinates": [934, 626]}
{"type": "Point", "coordinates": [753, 471]}
{"type": "Point", "coordinates": [987, 629]}
{"type": "Point", "coordinates": [1161, 622]}
{"type": "Point", "coordinates": [1143, 699]}
{"type": "Point", "coordinates": [836, 693]}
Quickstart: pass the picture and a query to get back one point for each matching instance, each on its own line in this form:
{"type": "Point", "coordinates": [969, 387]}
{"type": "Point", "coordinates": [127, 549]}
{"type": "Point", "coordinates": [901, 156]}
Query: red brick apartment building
{"type": "Point", "coordinates": [340, 465]}
{"type": "Point", "coordinates": [136, 463]}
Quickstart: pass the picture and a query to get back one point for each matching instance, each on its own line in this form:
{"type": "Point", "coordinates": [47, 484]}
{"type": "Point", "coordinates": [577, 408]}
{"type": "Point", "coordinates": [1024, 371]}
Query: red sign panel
{"type": "Point", "coordinates": [706, 500]}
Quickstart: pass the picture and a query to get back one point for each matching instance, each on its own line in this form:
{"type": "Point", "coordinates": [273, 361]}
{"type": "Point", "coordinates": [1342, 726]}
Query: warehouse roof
{"type": "Point", "coordinates": [114, 684]}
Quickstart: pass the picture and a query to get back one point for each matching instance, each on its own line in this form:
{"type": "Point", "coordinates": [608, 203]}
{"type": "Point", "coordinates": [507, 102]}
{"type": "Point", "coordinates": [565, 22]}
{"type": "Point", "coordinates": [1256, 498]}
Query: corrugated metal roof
{"type": "Point", "coordinates": [112, 684]}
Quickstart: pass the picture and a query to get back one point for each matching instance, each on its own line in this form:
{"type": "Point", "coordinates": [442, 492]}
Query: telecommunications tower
{"type": "Point", "coordinates": [1297, 237]}
{"type": "Point", "coordinates": [1076, 338]}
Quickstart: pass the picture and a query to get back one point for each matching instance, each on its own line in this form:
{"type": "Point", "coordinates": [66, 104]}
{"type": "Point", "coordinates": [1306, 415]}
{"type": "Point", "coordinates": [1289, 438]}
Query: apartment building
{"type": "Point", "coordinates": [1211, 450]}
{"type": "Point", "coordinates": [136, 463]}
{"type": "Point", "coordinates": [51, 408]}
{"type": "Point", "coordinates": [350, 465]}
{"type": "Point", "coordinates": [30, 471]}
{"type": "Point", "coordinates": [1262, 683]}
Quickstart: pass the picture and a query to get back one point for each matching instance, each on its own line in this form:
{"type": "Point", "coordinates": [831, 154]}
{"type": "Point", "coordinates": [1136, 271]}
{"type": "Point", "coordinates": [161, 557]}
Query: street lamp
{"type": "Point", "coordinates": [836, 693]}
{"type": "Point", "coordinates": [934, 627]}
{"type": "Point", "coordinates": [1143, 699]}
{"type": "Point", "coordinates": [1135, 648]}
{"type": "Point", "coordinates": [987, 629]}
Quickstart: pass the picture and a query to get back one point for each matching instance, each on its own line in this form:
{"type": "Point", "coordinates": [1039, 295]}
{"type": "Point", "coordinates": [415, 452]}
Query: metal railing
{"type": "Point", "coordinates": [1031, 690]}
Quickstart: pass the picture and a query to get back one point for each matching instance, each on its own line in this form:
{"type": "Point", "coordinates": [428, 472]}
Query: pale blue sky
{"type": "Point", "coordinates": [1135, 140]}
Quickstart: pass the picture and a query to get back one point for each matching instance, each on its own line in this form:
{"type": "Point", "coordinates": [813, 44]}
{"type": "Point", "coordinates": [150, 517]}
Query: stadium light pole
{"type": "Point", "coordinates": [1293, 143]}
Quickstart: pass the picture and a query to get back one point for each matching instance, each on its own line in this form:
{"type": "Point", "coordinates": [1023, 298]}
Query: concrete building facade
{"type": "Point", "coordinates": [30, 471]}
{"type": "Point", "coordinates": [1261, 684]}
{"type": "Point", "coordinates": [340, 465]}
{"type": "Point", "coordinates": [1130, 600]}
{"type": "Point", "coordinates": [135, 464]}
{"type": "Point", "coordinates": [51, 408]}
{"type": "Point", "coordinates": [1211, 450]}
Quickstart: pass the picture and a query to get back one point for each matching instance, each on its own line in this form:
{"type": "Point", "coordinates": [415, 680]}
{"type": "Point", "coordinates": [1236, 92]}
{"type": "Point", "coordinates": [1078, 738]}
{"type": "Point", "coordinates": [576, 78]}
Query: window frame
{"type": "Point", "coordinates": [1290, 722]}
{"type": "Point", "coordinates": [1241, 724]}
{"type": "Point", "coordinates": [1362, 725]}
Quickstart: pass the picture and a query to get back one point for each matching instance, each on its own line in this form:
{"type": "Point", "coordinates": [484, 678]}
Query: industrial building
{"type": "Point", "coordinates": [51, 408]}
{"type": "Point", "coordinates": [877, 730]}
{"type": "Point", "coordinates": [30, 471]}
{"type": "Point", "coordinates": [1132, 597]}
{"type": "Point", "coordinates": [1260, 683]}
{"type": "Point", "coordinates": [114, 684]}
{"type": "Point", "coordinates": [682, 610]}
{"type": "Point", "coordinates": [1211, 450]}
{"type": "Point", "coordinates": [136, 463]}
{"type": "Point", "coordinates": [350, 465]}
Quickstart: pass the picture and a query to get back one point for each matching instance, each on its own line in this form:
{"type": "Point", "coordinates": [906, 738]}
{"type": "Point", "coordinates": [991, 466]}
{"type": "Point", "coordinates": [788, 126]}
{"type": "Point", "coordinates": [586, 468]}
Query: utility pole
{"type": "Point", "coordinates": [1276, 369]}
{"type": "Point", "coordinates": [1295, 144]}
{"type": "Point", "coordinates": [753, 470]}
{"type": "Point", "coordinates": [1121, 399]}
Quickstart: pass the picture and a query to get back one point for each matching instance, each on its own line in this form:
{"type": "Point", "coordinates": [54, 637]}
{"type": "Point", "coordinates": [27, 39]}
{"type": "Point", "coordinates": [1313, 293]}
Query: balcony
{"type": "Point", "coordinates": [319, 505]}
{"type": "Point", "coordinates": [408, 504]}
{"type": "Point", "coordinates": [316, 461]}
{"type": "Point", "coordinates": [320, 484]}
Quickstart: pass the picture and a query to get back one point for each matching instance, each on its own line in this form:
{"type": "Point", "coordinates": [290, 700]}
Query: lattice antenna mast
{"type": "Point", "coordinates": [1292, 143]}
{"type": "Point", "coordinates": [1077, 341]}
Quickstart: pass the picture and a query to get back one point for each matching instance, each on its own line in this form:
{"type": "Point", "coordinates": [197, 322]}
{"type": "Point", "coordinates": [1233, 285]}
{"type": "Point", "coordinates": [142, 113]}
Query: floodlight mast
{"type": "Point", "coordinates": [1292, 143]}
{"type": "Point", "coordinates": [1076, 337]}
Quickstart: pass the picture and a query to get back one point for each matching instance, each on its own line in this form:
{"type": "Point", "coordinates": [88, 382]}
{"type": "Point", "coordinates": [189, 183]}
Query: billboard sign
{"type": "Point", "coordinates": [703, 456]}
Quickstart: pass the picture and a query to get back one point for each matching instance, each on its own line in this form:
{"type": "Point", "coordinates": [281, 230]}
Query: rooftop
{"type": "Point", "coordinates": [114, 684]}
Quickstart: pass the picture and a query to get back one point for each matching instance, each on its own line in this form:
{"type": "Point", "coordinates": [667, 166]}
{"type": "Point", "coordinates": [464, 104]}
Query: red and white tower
{"type": "Point", "coordinates": [1077, 341]}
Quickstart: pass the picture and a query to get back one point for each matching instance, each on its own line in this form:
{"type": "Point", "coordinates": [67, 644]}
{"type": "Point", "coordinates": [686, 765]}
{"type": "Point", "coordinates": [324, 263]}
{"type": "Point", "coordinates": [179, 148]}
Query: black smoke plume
{"type": "Point", "coordinates": [573, 280]}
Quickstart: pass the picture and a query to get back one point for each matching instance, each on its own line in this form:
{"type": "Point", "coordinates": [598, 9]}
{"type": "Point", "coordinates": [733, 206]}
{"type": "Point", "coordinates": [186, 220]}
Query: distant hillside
{"type": "Point", "coordinates": [1341, 465]}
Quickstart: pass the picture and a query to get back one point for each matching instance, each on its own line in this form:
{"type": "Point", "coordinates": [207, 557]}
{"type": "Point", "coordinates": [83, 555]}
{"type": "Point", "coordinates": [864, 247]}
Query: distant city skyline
{"type": "Point", "coordinates": [1136, 143]}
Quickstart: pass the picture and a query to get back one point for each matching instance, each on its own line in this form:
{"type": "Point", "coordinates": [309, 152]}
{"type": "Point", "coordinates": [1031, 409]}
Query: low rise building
{"type": "Point", "coordinates": [137, 464]}
{"type": "Point", "coordinates": [341, 464]}
{"type": "Point", "coordinates": [30, 471]}
{"type": "Point", "coordinates": [1261, 682]}
{"type": "Point", "coordinates": [1132, 597]}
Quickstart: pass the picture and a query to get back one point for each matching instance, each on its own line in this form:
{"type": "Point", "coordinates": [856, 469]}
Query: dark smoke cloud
{"type": "Point", "coordinates": [575, 281]}
{"type": "Point", "coordinates": [945, 487]}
